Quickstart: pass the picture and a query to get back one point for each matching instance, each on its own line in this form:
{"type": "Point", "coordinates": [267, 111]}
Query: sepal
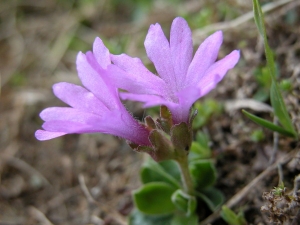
{"type": "Point", "coordinates": [150, 124]}
{"type": "Point", "coordinates": [181, 138]}
{"type": "Point", "coordinates": [193, 115]}
{"type": "Point", "coordinates": [161, 148]}
{"type": "Point", "coordinates": [165, 121]}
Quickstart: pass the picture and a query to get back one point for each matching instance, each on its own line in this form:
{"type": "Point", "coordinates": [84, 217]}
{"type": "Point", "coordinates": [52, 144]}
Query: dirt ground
{"type": "Point", "coordinates": [88, 178]}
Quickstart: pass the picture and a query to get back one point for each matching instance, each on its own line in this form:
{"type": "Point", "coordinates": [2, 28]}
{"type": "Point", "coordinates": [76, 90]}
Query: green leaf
{"type": "Point", "coordinates": [202, 139]}
{"type": "Point", "coordinates": [259, 17]}
{"type": "Point", "coordinates": [203, 173]}
{"type": "Point", "coordinates": [259, 20]}
{"type": "Point", "coordinates": [262, 94]}
{"type": "Point", "coordinates": [212, 197]}
{"type": "Point", "coordinates": [275, 94]}
{"type": "Point", "coordinates": [268, 124]}
{"type": "Point", "coordinates": [270, 59]}
{"type": "Point", "coordinates": [199, 152]}
{"type": "Point", "coordinates": [184, 202]}
{"type": "Point", "coordinates": [257, 135]}
{"type": "Point", "coordinates": [200, 148]}
{"type": "Point", "coordinates": [139, 218]}
{"type": "Point", "coordinates": [280, 109]}
{"type": "Point", "coordinates": [206, 110]}
{"type": "Point", "coordinates": [231, 218]}
{"type": "Point", "coordinates": [152, 171]}
{"type": "Point", "coordinates": [262, 76]}
{"type": "Point", "coordinates": [286, 85]}
{"type": "Point", "coordinates": [154, 198]}
{"type": "Point", "coordinates": [184, 220]}
{"type": "Point", "coordinates": [172, 168]}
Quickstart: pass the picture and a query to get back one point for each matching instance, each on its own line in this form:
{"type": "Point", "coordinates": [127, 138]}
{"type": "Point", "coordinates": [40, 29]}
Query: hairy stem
{"type": "Point", "coordinates": [185, 175]}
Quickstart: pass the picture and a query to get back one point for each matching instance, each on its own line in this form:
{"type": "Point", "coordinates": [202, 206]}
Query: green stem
{"type": "Point", "coordinates": [185, 175]}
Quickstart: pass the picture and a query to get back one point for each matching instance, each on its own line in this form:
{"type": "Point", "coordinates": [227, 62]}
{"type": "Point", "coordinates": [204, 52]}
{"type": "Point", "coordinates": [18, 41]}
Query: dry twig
{"type": "Point", "coordinates": [39, 216]}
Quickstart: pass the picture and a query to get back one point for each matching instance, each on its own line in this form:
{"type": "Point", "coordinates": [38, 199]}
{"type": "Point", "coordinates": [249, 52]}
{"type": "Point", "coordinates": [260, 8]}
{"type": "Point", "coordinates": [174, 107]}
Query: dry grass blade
{"type": "Point", "coordinates": [39, 216]}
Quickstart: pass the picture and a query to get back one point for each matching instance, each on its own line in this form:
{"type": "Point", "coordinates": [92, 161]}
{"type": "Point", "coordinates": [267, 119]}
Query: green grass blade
{"type": "Point", "coordinates": [259, 17]}
{"type": "Point", "coordinates": [280, 108]}
{"type": "Point", "coordinates": [275, 94]}
{"type": "Point", "coordinates": [268, 124]}
{"type": "Point", "coordinates": [259, 20]}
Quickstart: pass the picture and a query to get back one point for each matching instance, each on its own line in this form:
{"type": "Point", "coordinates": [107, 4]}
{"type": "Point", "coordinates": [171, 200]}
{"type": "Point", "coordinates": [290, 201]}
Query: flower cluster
{"type": "Point", "coordinates": [181, 80]}
{"type": "Point", "coordinates": [95, 108]}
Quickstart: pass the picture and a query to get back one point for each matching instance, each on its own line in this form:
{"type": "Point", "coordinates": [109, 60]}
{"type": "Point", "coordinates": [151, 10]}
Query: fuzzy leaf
{"type": "Point", "coordinates": [185, 220]}
{"type": "Point", "coordinates": [154, 198]}
{"type": "Point", "coordinates": [212, 197]}
{"type": "Point", "coordinates": [199, 152]}
{"type": "Point", "coordinates": [184, 202]}
{"type": "Point", "coordinates": [203, 173]}
{"type": "Point", "coordinates": [138, 218]}
{"type": "Point", "coordinates": [171, 167]}
{"type": "Point", "coordinates": [153, 172]}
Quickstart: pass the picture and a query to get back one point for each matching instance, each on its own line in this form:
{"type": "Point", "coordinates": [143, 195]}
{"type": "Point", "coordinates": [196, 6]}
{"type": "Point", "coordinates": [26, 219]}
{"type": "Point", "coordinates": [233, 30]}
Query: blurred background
{"type": "Point", "coordinates": [87, 179]}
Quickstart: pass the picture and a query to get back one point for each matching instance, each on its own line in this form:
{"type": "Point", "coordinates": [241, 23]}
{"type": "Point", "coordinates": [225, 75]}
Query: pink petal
{"type": "Point", "coordinates": [101, 53]}
{"type": "Point", "coordinates": [125, 126]}
{"type": "Point", "coordinates": [149, 100]}
{"type": "Point", "coordinates": [158, 51]}
{"type": "Point", "coordinates": [214, 74]}
{"type": "Point", "coordinates": [115, 123]}
{"type": "Point", "coordinates": [79, 98]}
{"type": "Point", "coordinates": [217, 71]}
{"type": "Point", "coordinates": [180, 112]}
{"type": "Point", "coordinates": [187, 98]}
{"type": "Point", "coordinates": [137, 79]}
{"type": "Point", "coordinates": [181, 45]}
{"type": "Point", "coordinates": [69, 114]}
{"type": "Point", "coordinates": [92, 79]}
{"type": "Point", "coordinates": [68, 127]}
{"type": "Point", "coordinates": [205, 56]}
{"type": "Point", "coordinates": [43, 135]}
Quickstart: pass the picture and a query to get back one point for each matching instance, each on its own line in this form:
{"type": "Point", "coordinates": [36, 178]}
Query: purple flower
{"type": "Point", "coordinates": [95, 108]}
{"type": "Point", "coordinates": [182, 79]}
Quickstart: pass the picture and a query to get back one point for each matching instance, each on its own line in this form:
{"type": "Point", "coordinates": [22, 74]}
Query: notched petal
{"type": "Point", "coordinates": [181, 45]}
{"type": "Point", "coordinates": [101, 53]}
{"type": "Point", "coordinates": [205, 56]}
